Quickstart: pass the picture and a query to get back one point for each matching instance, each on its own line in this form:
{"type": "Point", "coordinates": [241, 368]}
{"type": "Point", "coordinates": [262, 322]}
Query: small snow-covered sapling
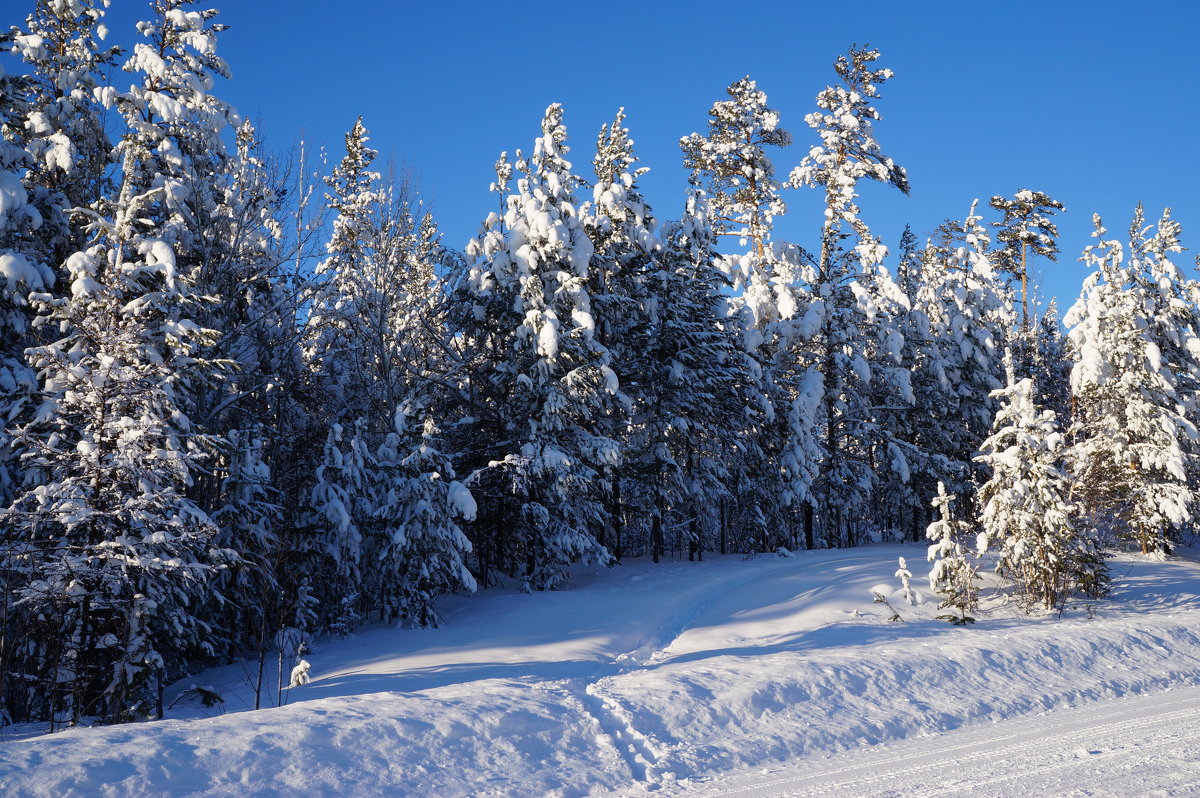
{"type": "Point", "coordinates": [300, 674]}
{"type": "Point", "coordinates": [904, 575]}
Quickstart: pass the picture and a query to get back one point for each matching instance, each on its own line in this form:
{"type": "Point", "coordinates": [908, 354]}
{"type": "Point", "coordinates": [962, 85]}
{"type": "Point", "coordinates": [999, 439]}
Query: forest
{"type": "Point", "coordinates": [248, 400]}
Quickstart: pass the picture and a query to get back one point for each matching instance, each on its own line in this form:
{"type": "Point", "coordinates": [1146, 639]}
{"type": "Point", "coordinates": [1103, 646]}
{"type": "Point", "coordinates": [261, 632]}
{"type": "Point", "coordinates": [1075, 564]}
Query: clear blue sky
{"type": "Point", "coordinates": [1094, 103]}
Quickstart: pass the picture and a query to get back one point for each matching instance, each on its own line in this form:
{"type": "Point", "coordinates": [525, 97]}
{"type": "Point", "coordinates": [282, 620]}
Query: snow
{"type": "Point", "coordinates": [773, 675]}
{"type": "Point", "coordinates": [12, 196]}
{"type": "Point", "coordinates": [462, 501]}
{"type": "Point", "coordinates": [548, 337]}
{"type": "Point", "coordinates": [17, 270]}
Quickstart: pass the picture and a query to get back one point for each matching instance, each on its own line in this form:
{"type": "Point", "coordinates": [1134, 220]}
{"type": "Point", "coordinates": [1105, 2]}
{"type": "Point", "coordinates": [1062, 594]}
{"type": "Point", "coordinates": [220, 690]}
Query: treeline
{"type": "Point", "coordinates": [242, 408]}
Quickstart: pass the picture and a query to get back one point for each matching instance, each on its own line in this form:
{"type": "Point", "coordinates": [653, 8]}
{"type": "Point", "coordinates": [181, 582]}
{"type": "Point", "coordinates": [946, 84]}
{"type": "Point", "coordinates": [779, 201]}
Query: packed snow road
{"type": "Point", "coordinates": [674, 679]}
{"type": "Point", "coordinates": [1133, 746]}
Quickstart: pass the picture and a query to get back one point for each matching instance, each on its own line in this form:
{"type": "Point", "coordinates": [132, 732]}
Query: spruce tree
{"type": "Point", "coordinates": [1052, 365]}
{"type": "Point", "coordinates": [124, 558]}
{"type": "Point", "coordinates": [418, 504]}
{"type": "Point", "coordinates": [954, 572]}
{"type": "Point", "coordinates": [622, 228]}
{"type": "Point", "coordinates": [551, 376]}
{"type": "Point", "coordinates": [1131, 432]}
{"type": "Point", "coordinates": [970, 316]}
{"type": "Point", "coordinates": [346, 300]}
{"type": "Point", "coordinates": [23, 272]}
{"type": "Point", "coordinates": [332, 541]}
{"type": "Point", "coordinates": [909, 265]}
{"type": "Point", "coordinates": [63, 130]}
{"type": "Point", "coordinates": [688, 416]}
{"type": "Point", "coordinates": [1025, 506]}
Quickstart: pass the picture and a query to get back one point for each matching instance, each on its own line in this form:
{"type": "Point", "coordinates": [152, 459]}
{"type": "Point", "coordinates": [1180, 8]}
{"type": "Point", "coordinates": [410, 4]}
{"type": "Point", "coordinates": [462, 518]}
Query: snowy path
{"type": "Point", "coordinates": [675, 679]}
{"type": "Point", "coordinates": [1138, 745]}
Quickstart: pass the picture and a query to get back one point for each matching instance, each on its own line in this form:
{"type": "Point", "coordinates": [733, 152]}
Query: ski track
{"type": "Point", "coordinates": [1016, 760]}
{"type": "Point", "coordinates": [632, 745]}
{"type": "Point", "coordinates": [613, 719]}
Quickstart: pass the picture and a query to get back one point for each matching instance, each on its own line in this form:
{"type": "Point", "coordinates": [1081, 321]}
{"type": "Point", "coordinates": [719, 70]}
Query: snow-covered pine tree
{"type": "Point", "coordinates": [691, 378]}
{"type": "Point", "coordinates": [124, 558]}
{"type": "Point", "coordinates": [856, 339]}
{"type": "Point", "coordinates": [345, 295]}
{"type": "Point", "coordinates": [621, 226]}
{"type": "Point", "coordinates": [219, 214]}
{"type": "Point", "coordinates": [249, 521]}
{"type": "Point", "coordinates": [1025, 506]}
{"type": "Point", "coordinates": [1026, 228]}
{"type": "Point", "coordinates": [331, 541]}
{"type": "Point", "coordinates": [732, 166]}
{"type": "Point", "coordinates": [904, 502]}
{"type": "Point", "coordinates": [1052, 366]}
{"type": "Point", "coordinates": [907, 501]}
{"type": "Point", "coordinates": [213, 210]}
{"type": "Point", "coordinates": [374, 344]}
{"type": "Point", "coordinates": [411, 319]}
{"type": "Point", "coordinates": [417, 505]}
{"type": "Point", "coordinates": [732, 163]}
{"type": "Point", "coordinates": [970, 315]}
{"type": "Point", "coordinates": [478, 308]}
{"type": "Point", "coordinates": [22, 273]}
{"type": "Point", "coordinates": [544, 374]}
{"type": "Point", "coordinates": [239, 254]}
{"type": "Point", "coordinates": [954, 572]}
{"type": "Point", "coordinates": [1173, 331]}
{"type": "Point", "coordinates": [848, 151]}
{"type": "Point", "coordinates": [954, 319]}
{"type": "Point", "coordinates": [908, 268]}
{"type": "Point", "coordinates": [1130, 429]}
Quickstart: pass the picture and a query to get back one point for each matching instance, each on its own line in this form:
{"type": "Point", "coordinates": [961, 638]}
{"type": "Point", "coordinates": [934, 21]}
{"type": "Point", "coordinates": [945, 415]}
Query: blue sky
{"type": "Point", "coordinates": [1093, 103]}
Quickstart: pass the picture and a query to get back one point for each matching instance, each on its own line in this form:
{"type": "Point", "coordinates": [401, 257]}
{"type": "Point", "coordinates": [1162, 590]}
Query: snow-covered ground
{"type": "Point", "coordinates": [773, 676]}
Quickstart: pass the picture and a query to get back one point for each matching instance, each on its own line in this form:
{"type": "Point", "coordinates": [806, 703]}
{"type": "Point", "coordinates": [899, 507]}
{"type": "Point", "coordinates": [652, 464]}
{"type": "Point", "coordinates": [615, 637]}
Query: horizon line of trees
{"type": "Point", "coordinates": [242, 406]}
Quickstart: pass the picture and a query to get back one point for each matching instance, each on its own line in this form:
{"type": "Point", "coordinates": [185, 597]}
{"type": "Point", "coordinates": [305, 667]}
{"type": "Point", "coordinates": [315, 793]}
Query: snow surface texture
{"type": "Point", "coordinates": [721, 678]}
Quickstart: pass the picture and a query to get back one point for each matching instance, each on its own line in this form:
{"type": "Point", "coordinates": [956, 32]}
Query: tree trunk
{"type": "Point", "coordinates": [1024, 288]}
{"type": "Point", "coordinates": [158, 704]}
{"type": "Point", "coordinates": [656, 529]}
{"type": "Point", "coordinates": [617, 521]}
{"type": "Point", "coordinates": [724, 523]}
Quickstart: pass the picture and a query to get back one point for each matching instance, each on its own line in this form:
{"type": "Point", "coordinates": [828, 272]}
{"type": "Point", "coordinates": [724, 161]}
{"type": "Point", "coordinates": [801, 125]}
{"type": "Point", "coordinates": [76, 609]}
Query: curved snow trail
{"type": "Point", "coordinates": [698, 601]}
{"type": "Point", "coordinates": [1138, 745]}
{"type": "Point", "coordinates": [783, 583]}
